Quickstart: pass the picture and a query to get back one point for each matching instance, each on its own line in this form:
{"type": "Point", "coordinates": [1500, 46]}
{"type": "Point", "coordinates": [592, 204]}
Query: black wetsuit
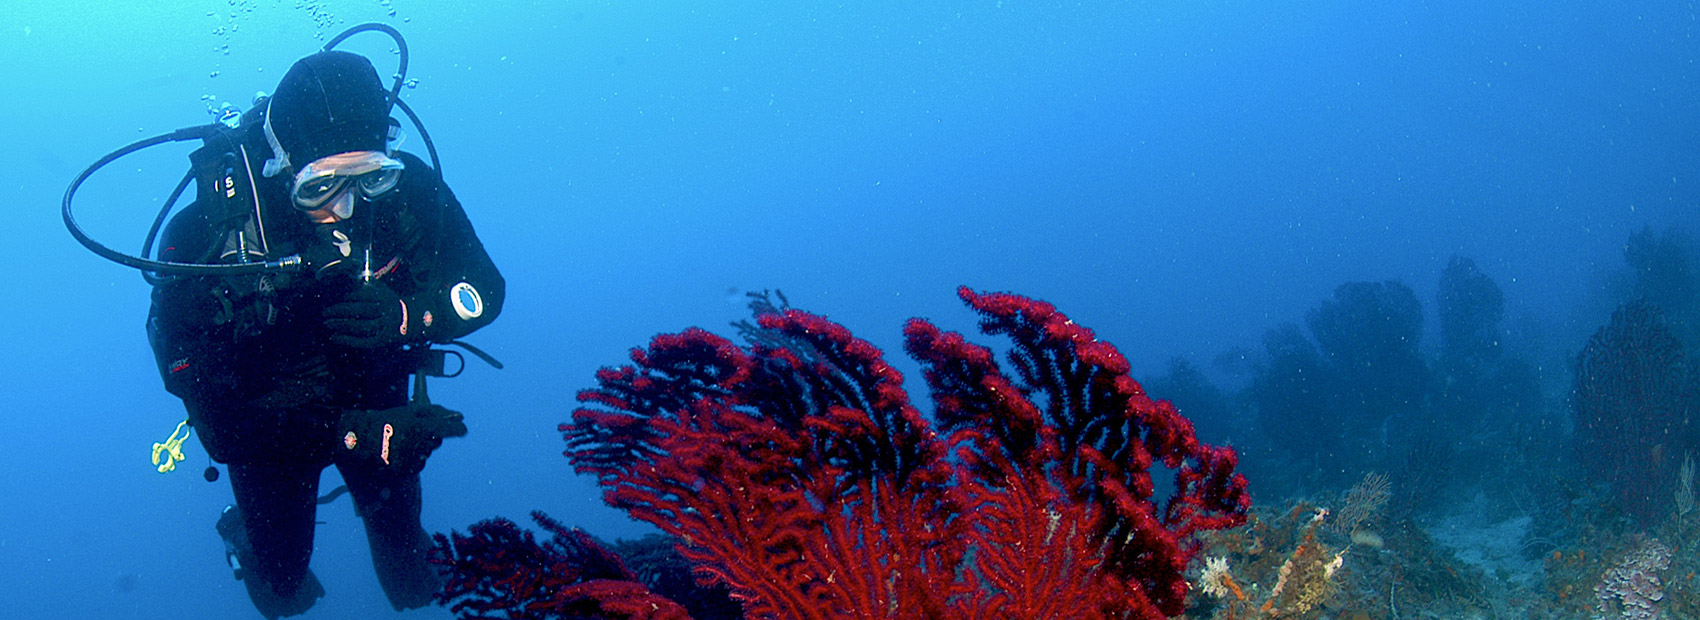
{"type": "Point", "coordinates": [265, 387]}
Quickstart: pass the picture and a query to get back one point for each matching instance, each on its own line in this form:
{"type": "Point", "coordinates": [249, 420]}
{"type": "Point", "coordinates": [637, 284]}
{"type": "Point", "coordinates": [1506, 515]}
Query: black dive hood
{"type": "Point", "coordinates": [229, 176]}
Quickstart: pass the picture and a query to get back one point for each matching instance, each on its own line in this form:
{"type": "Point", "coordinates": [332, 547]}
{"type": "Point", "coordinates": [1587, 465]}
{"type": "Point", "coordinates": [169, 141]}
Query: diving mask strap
{"type": "Point", "coordinates": [280, 158]}
{"type": "Point", "coordinates": [394, 138]}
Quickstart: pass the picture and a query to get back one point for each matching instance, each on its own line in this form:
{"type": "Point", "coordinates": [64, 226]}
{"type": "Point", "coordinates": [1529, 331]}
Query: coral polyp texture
{"type": "Point", "coordinates": [1631, 590]}
{"type": "Point", "coordinates": [796, 470]}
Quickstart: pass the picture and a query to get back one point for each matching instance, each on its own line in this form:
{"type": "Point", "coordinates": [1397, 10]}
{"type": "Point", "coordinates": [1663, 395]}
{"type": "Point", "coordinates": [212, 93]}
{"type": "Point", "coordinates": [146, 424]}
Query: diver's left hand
{"type": "Point", "coordinates": [414, 431]}
{"type": "Point", "coordinates": [370, 317]}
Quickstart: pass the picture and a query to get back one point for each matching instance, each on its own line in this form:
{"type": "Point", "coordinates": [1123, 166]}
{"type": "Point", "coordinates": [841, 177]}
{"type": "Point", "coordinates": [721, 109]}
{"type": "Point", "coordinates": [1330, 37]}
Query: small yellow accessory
{"type": "Point", "coordinates": [173, 447]}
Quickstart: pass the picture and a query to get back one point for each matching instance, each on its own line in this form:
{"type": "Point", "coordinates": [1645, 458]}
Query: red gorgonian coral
{"type": "Point", "coordinates": [797, 471]}
{"type": "Point", "coordinates": [498, 570]}
{"type": "Point", "coordinates": [1631, 403]}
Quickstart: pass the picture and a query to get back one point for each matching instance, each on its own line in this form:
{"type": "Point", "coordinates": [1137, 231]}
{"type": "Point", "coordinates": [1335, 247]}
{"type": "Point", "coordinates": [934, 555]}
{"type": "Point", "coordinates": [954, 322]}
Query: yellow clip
{"type": "Point", "coordinates": [173, 447]}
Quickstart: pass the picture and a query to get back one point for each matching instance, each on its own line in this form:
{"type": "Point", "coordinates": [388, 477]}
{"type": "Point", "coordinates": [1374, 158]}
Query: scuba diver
{"type": "Point", "coordinates": [291, 303]}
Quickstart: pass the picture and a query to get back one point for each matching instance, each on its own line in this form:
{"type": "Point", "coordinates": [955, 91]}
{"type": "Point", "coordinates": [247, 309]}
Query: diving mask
{"type": "Point", "coordinates": [322, 184]}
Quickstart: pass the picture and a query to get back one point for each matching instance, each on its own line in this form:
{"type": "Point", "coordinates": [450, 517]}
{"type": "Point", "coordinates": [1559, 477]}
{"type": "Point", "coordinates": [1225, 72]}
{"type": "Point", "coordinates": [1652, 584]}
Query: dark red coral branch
{"type": "Point", "coordinates": [1632, 389]}
{"type": "Point", "coordinates": [1073, 430]}
{"type": "Point", "coordinates": [796, 471]}
{"type": "Point", "coordinates": [789, 471]}
{"type": "Point", "coordinates": [498, 570]}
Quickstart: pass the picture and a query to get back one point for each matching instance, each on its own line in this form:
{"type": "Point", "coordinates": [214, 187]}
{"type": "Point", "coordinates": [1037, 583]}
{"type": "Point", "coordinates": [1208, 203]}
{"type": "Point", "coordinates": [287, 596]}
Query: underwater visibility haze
{"type": "Point", "coordinates": [1431, 268]}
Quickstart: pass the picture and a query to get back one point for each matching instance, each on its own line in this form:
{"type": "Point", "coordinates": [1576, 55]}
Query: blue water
{"type": "Point", "coordinates": [1179, 175]}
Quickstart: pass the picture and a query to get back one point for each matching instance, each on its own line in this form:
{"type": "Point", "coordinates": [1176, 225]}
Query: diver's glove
{"type": "Point", "coordinates": [400, 438]}
{"type": "Point", "coordinates": [370, 317]}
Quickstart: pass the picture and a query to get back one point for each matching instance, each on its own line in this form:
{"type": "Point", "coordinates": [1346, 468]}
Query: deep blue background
{"type": "Point", "coordinates": [1179, 175]}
